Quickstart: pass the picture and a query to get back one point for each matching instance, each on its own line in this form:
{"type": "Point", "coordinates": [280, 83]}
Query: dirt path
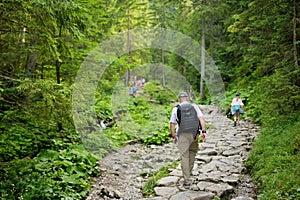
{"type": "Point", "coordinates": [218, 170]}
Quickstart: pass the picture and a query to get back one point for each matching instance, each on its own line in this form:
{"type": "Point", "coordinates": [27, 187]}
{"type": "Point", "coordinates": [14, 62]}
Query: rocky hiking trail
{"type": "Point", "coordinates": [218, 170]}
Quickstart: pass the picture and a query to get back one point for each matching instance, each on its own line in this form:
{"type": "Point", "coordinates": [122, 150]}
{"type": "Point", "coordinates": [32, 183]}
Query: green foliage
{"type": "Point", "coordinates": [152, 89]}
{"type": "Point", "coordinates": [103, 109]}
{"type": "Point", "coordinates": [148, 189]}
{"type": "Point", "coordinates": [259, 62]}
{"type": "Point", "coordinates": [1, 90]}
{"type": "Point", "coordinates": [158, 137]}
{"type": "Point", "coordinates": [18, 142]}
{"type": "Point", "coordinates": [165, 97]}
{"type": "Point", "coordinates": [144, 122]}
{"type": "Point", "coordinates": [141, 121]}
{"type": "Point", "coordinates": [118, 136]}
{"type": "Point", "coordinates": [157, 92]}
{"type": "Point", "coordinates": [42, 118]}
{"type": "Point", "coordinates": [139, 110]}
{"type": "Point", "coordinates": [98, 144]}
{"type": "Point", "coordinates": [280, 97]}
{"type": "Point", "coordinates": [274, 161]}
{"type": "Point", "coordinates": [53, 174]}
{"type": "Point", "coordinates": [41, 154]}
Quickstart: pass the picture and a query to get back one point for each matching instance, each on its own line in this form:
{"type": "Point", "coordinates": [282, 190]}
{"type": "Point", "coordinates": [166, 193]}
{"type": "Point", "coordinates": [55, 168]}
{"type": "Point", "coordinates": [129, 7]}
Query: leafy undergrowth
{"type": "Point", "coordinates": [52, 174]}
{"type": "Point", "coordinates": [275, 160]}
{"type": "Point", "coordinates": [41, 155]}
{"type": "Point", "coordinates": [143, 122]}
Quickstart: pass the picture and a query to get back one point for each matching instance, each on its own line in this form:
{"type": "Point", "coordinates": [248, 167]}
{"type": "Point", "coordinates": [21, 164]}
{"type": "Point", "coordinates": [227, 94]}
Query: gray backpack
{"type": "Point", "coordinates": [187, 119]}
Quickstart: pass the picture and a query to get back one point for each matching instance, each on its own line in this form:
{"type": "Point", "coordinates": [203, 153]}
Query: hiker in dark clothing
{"type": "Point", "coordinates": [187, 133]}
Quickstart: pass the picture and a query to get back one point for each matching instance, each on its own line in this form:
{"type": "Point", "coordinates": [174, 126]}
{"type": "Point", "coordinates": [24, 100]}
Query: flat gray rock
{"type": "Point", "coordinates": [193, 195]}
{"type": "Point", "coordinates": [168, 181]}
{"type": "Point", "coordinates": [165, 192]}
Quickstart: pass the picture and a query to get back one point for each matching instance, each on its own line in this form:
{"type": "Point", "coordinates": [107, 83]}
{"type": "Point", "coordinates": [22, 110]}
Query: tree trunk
{"type": "Point", "coordinates": [31, 60]}
{"type": "Point", "coordinates": [212, 41]}
{"type": "Point", "coordinates": [163, 52]}
{"type": "Point", "coordinates": [57, 62]}
{"type": "Point", "coordinates": [42, 71]}
{"type": "Point", "coordinates": [57, 69]}
{"type": "Point", "coordinates": [127, 78]}
{"type": "Point", "coordinates": [202, 95]}
{"type": "Point", "coordinates": [295, 34]}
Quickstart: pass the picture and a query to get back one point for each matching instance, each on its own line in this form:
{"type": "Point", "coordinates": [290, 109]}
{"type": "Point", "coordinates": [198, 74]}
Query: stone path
{"type": "Point", "coordinates": [218, 169]}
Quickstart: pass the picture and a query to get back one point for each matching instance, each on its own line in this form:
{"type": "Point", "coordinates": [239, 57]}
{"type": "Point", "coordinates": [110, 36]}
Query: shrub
{"type": "Point", "coordinates": [62, 174]}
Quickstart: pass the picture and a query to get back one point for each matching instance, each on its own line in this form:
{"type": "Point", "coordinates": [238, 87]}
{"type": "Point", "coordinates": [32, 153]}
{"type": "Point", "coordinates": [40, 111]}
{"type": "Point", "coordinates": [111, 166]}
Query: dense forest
{"type": "Point", "coordinates": [67, 66]}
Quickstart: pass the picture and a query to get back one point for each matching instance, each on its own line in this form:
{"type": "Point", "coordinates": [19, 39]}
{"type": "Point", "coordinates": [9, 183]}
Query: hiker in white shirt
{"type": "Point", "coordinates": [187, 133]}
{"type": "Point", "coordinates": [237, 108]}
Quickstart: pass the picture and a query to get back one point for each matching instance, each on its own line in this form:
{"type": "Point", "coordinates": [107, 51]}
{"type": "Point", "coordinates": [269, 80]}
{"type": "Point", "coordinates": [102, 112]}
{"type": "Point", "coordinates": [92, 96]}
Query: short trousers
{"type": "Point", "coordinates": [236, 109]}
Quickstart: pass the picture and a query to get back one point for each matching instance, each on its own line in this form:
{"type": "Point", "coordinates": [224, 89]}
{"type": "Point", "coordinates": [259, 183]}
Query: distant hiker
{"type": "Point", "coordinates": [190, 120]}
{"type": "Point", "coordinates": [237, 108]}
{"type": "Point", "coordinates": [143, 82]}
{"type": "Point", "coordinates": [133, 89]}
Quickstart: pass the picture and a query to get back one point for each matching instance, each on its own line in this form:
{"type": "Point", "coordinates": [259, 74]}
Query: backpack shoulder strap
{"type": "Point", "coordinates": [200, 126]}
{"type": "Point", "coordinates": [178, 114]}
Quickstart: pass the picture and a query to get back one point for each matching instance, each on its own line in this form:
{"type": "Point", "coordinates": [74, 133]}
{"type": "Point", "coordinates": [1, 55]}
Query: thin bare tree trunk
{"type": "Point", "coordinates": [57, 62]}
{"type": "Point", "coordinates": [295, 34]}
{"type": "Point", "coordinates": [212, 41]}
{"type": "Point", "coordinates": [127, 78]}
{"type": "Point", "coordinates": [202, 95]}
{"type": "Point", "coordinates": [57, 69]}
{"type": "Point", "coordinates": [30, 66]}
{"type": "Point", "coordinates": [163, 52]}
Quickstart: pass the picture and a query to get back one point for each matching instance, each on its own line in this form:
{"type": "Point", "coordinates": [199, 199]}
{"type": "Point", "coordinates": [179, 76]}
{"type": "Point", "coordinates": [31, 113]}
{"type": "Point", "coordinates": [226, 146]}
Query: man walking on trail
{"type": "Point", "coordinates": [190, 120]}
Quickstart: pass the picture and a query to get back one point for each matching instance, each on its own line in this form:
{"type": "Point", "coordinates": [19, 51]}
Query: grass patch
{"type": "Point", "coordinates": [275, 161]}
{"type": "Point", "coordinates": [148, 189]}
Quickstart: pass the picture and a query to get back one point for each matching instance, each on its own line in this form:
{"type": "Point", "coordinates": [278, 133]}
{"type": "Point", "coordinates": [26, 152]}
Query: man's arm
{"type": "Point", "coordinates": [172, 129]}
{"type": "Point", "coordinates": [201, 117]}
{"type": "Point", "coordinates": [202, 121]}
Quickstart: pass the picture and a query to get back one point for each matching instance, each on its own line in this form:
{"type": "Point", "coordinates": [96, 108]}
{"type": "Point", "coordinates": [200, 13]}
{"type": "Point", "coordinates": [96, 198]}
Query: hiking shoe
{"type": "Point", "coordinates": [186, 185]}
{"type": "Point", "coordinates": [234, 124]}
